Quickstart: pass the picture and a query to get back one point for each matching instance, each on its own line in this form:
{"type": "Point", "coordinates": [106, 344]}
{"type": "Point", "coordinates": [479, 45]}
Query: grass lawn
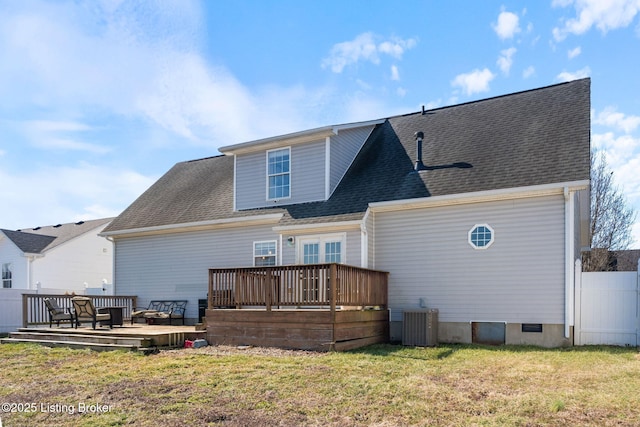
{"type": "Point", "coordinates": [384, 385]}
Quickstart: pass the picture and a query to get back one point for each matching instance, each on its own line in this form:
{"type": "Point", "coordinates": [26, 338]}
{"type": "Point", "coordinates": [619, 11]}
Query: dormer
{"type": "Point", "coordinates": [295, 168]}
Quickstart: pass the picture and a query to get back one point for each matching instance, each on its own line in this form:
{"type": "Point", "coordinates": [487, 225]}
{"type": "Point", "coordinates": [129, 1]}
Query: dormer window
{"type": "Point", "coordinates": [279, 174]}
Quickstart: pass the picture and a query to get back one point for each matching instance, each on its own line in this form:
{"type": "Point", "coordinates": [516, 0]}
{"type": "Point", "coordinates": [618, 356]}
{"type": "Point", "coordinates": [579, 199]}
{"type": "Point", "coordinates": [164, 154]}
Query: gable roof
{"type": "Point", "coordinates": [40, 239]}
{"type": "Point", "coordinates": [536, 137]}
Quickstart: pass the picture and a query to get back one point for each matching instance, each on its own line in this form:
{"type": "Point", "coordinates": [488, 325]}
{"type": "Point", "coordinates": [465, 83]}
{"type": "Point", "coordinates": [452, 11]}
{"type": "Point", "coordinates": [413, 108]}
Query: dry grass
{"type": "Point", "coordinates": [379, 386]}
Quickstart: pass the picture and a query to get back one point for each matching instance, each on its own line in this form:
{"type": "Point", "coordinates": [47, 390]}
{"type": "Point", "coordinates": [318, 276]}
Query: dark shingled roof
{"type": "Point", "coordinates": [38, 239]}
{"type": "Point", "coordinates": [28, 242]}
{"type": "Point", "coordinates": [540, 136]}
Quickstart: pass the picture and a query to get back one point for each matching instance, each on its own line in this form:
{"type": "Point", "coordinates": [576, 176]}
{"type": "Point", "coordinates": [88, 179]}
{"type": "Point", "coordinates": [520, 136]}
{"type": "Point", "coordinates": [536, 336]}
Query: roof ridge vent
{"type": "Point", "coordinates": [57, 226]}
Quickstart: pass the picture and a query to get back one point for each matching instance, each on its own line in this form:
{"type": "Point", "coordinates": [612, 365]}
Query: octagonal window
{"type": "Point", "coordinates": [481, 236]}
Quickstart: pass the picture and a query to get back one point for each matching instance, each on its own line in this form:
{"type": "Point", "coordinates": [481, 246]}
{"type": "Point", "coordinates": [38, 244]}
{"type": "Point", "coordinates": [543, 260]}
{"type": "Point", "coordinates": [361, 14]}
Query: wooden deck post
{"type": "Point", "coordinates": [25, 313]}
{"type": "Point", "coordinates": [210, 292]}
{"type": "Point", "coordinates": [269, 291]}
{"type": "Point", "coordinates": [333, 288]}
{"type": "Point", "coordinates": [333, 282]}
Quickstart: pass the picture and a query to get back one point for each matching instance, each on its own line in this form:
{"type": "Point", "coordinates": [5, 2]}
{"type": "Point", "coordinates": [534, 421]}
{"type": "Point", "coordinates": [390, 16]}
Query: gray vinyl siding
{"type": "Point", "coordinates": [353, 253]}
{"type": "Point", "coordinates": [175, 266]}
{"type": "Point", "coordinates": [307, 177]}
{"type": "Point", "coordinates": [343, 150]}
{"type": "Point", "coordinates": [519, 278]}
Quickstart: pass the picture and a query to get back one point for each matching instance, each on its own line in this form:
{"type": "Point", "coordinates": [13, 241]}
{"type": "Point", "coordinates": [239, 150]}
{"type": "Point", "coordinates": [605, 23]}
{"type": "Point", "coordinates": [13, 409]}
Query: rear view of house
{"type": "Point", "coordinates": [478, 210]}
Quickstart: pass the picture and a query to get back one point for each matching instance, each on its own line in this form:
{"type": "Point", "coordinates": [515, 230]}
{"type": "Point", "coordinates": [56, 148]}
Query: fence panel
{"type": "Point", "coordinates": [607, 309]}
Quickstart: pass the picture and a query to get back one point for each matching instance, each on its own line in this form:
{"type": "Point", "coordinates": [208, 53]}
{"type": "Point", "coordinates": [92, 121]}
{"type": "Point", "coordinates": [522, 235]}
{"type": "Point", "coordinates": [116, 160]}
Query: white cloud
{"type": "Point", "coordinates": [136, 63]}
{"type": "Point", "coordinates": [574, 52]}
{"type": "Point", "coordinates": [604, 15]}
{"type": "Point", "coordinates": [622, 153]}
{"type": "Point", "coordinates": [505, 60]}
{"type": "Point", "coordinates": [528, 72]}
{"type": "Point", "coordinates": [567, 76]}
{"type": "Point", "coordinates": [395, 75]}
{"type": "Point", "coordinates": [401, 92]}
{"type": "Point", "coordinates": [396, 46]}
{"type": "Point", "coordinates": [365, 48]}
{"type": "Point", "coordinates": [612, 118]}
{"type": "Point", "coordinates": [69, 193]}
{"type": "Point", "coordinates": [621, 146]}
{"type": "Point", "coordinates": [474, 82]}
{"type": "Point", "coordinates": [59, 135]}
{"type": "Point", "coordinates": [507, 25]}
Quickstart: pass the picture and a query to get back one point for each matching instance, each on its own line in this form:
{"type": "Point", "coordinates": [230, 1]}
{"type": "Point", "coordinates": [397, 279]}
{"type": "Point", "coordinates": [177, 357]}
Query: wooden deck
{"type": "Point", "coordinates": [312, 307]}
{"type": "Point", "coordinates": [318, 330]}
{"type": "Point", "coordinates": [140, 337]}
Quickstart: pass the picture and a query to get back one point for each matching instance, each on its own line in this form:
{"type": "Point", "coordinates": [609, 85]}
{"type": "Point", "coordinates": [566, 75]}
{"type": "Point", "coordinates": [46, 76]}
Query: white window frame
{"type": "Point", "coordinates": [274, 255]}
{"type": "Point", "coordinates": [268, 175]}
{"type": "Point", "coordinates": [489, 243]}
{"type": "Point", "coordinates": [322, 240]}
{"type": "Point", "coordinates": [6, 281]}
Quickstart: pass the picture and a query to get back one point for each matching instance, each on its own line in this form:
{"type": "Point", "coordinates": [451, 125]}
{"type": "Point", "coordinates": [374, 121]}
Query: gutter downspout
{"type": "Point", "coordinates": [30, 259]}
{"type": "Point", "coordinates": [569, 266]}
{"type": "Point", "coordinates": [113, 263]}
{"type": "Point", "coordinates": [364, 241]}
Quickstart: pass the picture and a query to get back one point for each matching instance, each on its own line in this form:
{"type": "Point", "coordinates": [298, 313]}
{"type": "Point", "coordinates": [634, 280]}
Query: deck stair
{"type": "Point", "coordinates": [99, 340]}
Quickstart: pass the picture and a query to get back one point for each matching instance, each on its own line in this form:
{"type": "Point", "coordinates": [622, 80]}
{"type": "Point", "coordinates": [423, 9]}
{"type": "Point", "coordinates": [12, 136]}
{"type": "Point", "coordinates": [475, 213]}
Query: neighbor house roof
{"type": "Point", "coordinates": [37, 240]}
{"type": "Point", "coordinates": [530, 138]}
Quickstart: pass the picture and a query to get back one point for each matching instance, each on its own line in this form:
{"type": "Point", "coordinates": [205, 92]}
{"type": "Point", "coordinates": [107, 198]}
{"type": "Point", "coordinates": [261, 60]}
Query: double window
{"type": "Point", "coordinates": [6, 275]}
{"type": "Point", "coordinates": [264, 253]}
{"type": "Point", "coordinates": [279, 174]}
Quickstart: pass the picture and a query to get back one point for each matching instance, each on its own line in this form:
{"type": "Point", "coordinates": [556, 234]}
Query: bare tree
{"type": "Point", "coordinates": [611, 218]}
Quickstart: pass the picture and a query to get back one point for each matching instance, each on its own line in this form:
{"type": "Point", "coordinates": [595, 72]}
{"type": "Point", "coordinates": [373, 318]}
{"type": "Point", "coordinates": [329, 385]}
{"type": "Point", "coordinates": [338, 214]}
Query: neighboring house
{"type": "Point", "coordinates": [627, 260]}
{"type": "Point", "coordinates": [62, 257]}
{"type": "Point", "coordinates": [482, 218]}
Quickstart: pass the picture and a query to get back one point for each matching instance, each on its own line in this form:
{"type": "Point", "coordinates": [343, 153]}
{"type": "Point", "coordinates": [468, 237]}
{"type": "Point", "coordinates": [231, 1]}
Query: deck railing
{"type": "Point", "coordinates": [314, 285]}
{"type": "Point", "coordinates": [34, 311]}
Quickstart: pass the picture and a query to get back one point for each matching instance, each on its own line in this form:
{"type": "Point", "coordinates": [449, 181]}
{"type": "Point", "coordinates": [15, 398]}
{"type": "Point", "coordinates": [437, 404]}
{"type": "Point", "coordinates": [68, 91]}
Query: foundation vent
{"type": "Point", "coordinates": [420, 328]}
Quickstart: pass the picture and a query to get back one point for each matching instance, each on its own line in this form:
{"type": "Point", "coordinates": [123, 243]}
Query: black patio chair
{"type": "Point", "coordinates": [57, 313]}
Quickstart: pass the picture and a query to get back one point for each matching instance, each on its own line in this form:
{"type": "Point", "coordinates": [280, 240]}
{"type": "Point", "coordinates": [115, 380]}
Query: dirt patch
{"type": "Point", "coordinates": [225, 350]}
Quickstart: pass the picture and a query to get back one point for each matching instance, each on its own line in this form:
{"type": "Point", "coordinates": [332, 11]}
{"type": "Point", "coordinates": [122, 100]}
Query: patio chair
{"type": "Point", "coordinates": [57, 313]}
{"type": "Point", "coordinates": [84, 310]}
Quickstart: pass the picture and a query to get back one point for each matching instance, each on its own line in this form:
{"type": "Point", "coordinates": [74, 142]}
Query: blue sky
{"type": "Point", "coordinates": [98, 99]}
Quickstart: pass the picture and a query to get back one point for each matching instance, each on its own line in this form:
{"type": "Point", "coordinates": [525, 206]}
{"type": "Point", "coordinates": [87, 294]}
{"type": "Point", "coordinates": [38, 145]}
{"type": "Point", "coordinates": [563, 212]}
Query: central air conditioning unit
{"type": "Point", "coordinates": [420, 328]}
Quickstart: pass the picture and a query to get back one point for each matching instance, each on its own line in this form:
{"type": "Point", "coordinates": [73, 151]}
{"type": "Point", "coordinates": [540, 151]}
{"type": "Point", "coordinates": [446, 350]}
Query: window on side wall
{"type": "Point", "coordinates": [481, 236]}
{"type": "Point", "coordinates": [264, 253]}
{"type": "Point", "coordinates": [279, 174]}
{"type": "Point", "coordinates": [6, 275]}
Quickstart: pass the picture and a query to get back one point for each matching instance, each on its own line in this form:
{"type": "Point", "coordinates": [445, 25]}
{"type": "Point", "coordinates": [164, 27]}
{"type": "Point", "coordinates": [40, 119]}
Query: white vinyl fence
{"type": "Point", "coordinates": [607, 309]}
{"type": "Point", "coordinates": [11, 309]}
{"type": "Point", "coordinates": [11, 303]}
